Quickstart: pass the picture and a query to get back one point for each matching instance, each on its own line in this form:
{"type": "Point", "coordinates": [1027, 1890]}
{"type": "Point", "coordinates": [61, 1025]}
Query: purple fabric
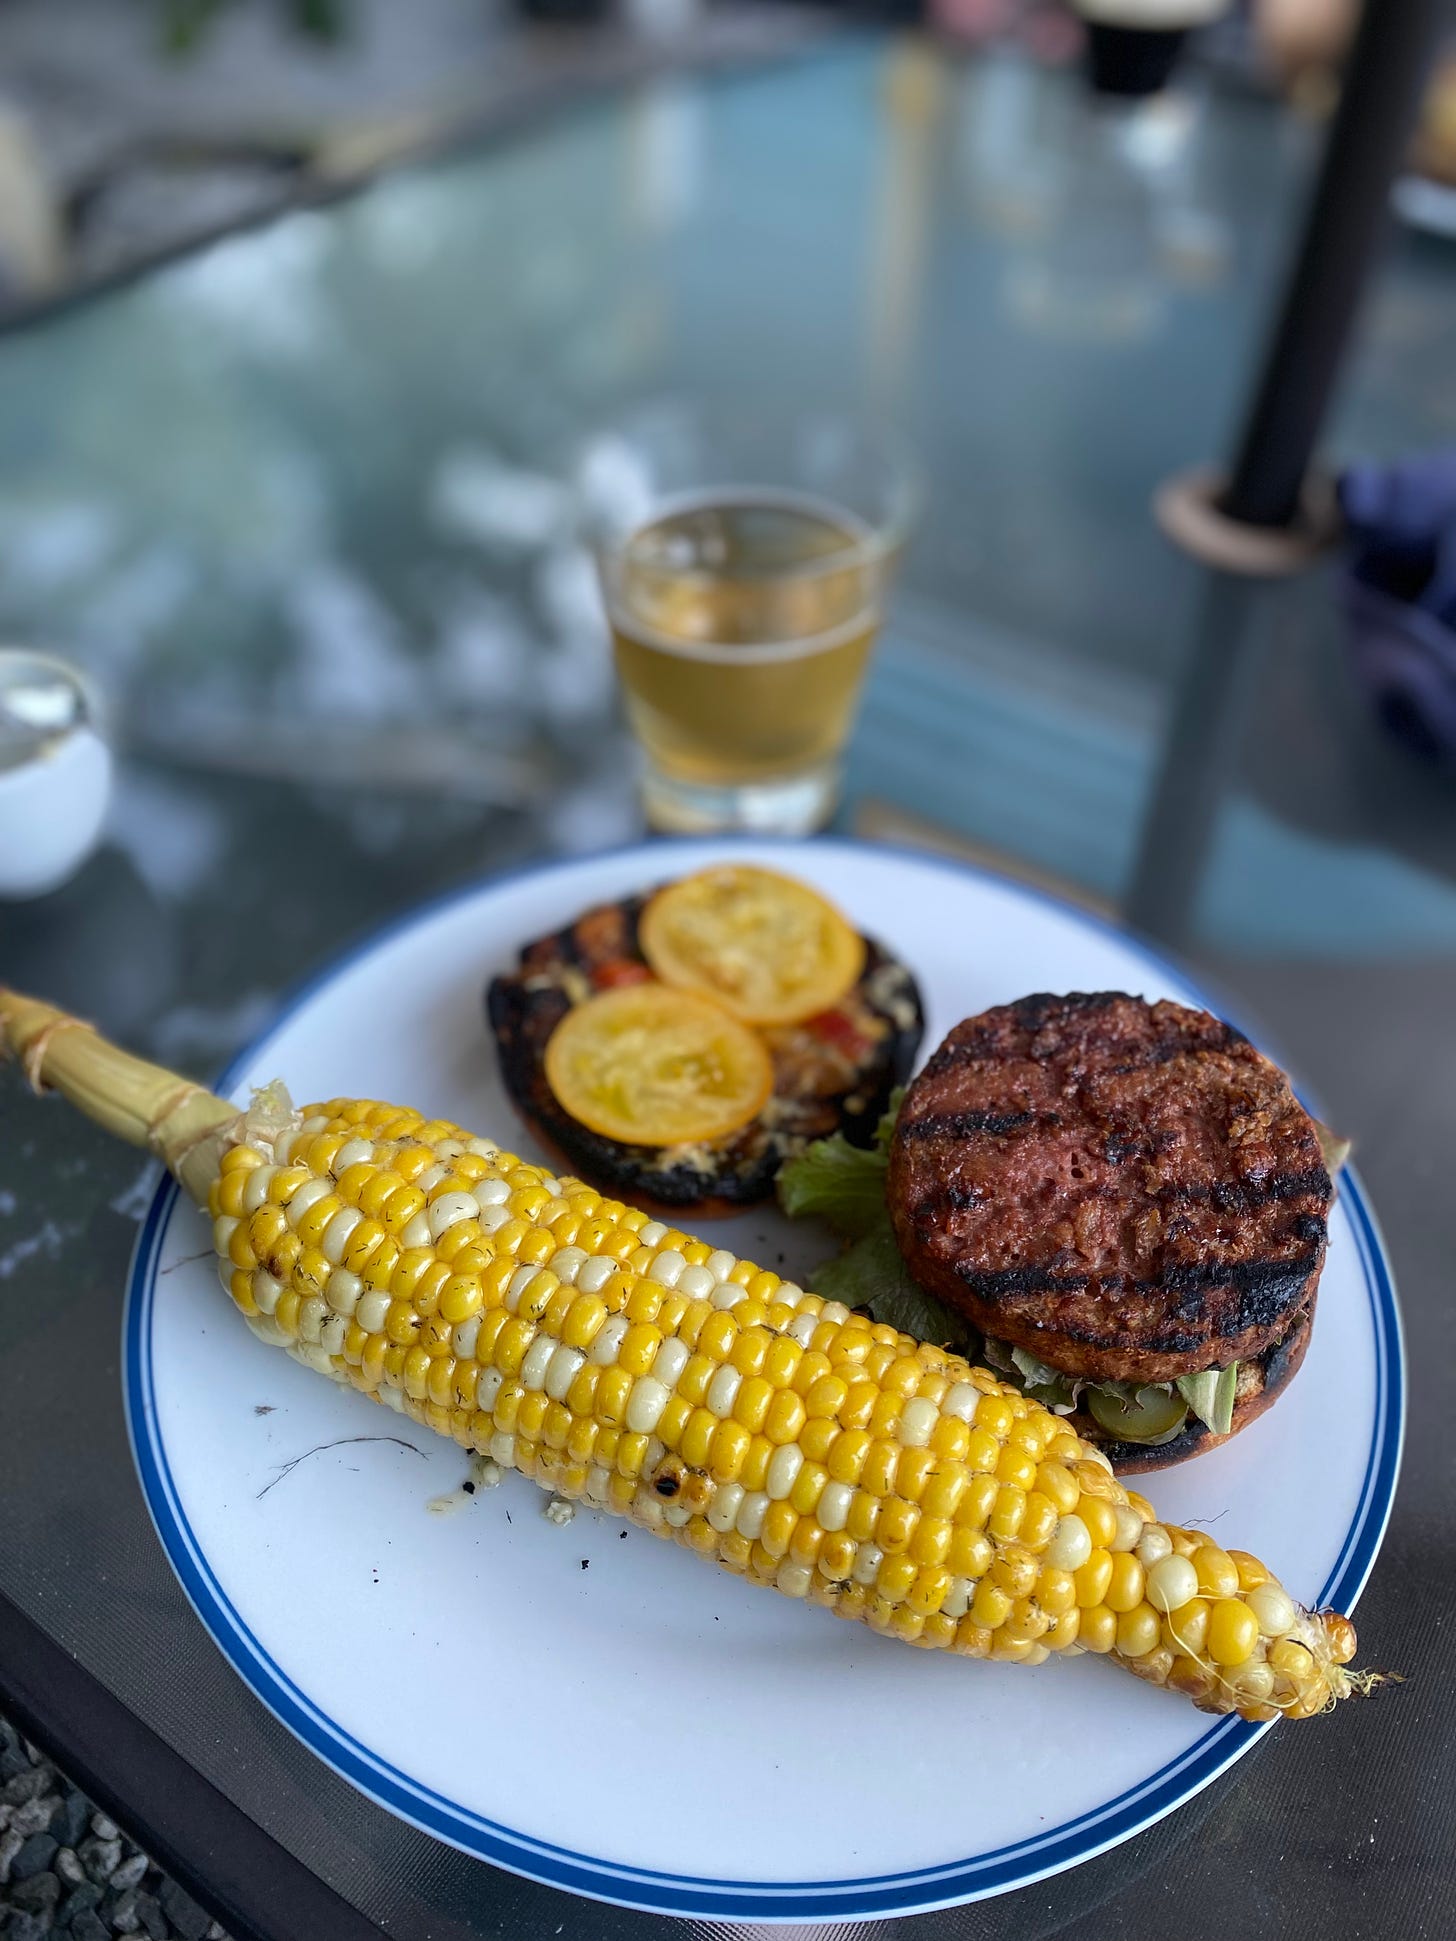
{"type": "Point", "coordinates": [1400, 595]}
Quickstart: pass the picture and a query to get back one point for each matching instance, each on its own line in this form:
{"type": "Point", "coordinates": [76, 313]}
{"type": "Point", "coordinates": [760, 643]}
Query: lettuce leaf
{"type": "Point", "coordinates": [842, 1184]}
{"type": "Point", "coordinates": [871, 1274]}
{"type": "Point", "coordinates": [1210, 1395]}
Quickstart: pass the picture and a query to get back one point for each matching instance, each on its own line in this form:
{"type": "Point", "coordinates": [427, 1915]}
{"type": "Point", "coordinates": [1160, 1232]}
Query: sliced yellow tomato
{"type": "Point", "coordinates": [653, 1066]}
{"type": "Point", "coordinates": [767, 947]}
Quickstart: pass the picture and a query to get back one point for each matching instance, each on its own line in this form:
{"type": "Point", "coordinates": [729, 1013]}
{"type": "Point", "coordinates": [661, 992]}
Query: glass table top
{"type": "Point", "coordinates": [294, 505]}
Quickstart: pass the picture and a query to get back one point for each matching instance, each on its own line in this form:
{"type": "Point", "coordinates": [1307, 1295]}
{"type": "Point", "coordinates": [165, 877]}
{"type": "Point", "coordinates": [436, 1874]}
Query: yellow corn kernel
{"type": "Point", "coordinates": [1064, 1630]}
{"type": "Point", "coordinates": [950, 1438]}
{"type": "Point", "coordinates": [1251, 1572]}
{"type": "Point", "coordinates": [896, 1525]}
{"type": "Point", "coordinates": [1218, 1574]}
{"type": "Point", "coordinates": [1125, 1585]}
{"type": "Point", "coordinates": [913, 1471]}
{"type": "Point", "coordinates": [1056, 1591]}
{"type": "Point", "coordinates": [785, 1417]}
{"type": "Point", "coordinates": [1186, 1629]}
{"type": "Point", "coordinates": [729, 1451]}
{"type": "Point", "coordinates": [808, 1487]}
{"type": "Point", "coordinates": [1015, 1466]}
{"type": "Point", "coordinates": [695, 1444]}
{"type": "Point", "coordinates": [694, 1382]}
{"type": "Point", "coordinates": [1233, 1632]}
{"type": "Point", "coordinates": [1093, 1578]}
{"type": "Point", "coordinates": [1004, 1522]}
{"type": "Point", "coordinates": [862, 1518]}
{"type": "Point", "coordinates": [1016, 1570]}
{"type": "Point", "coordinates": [751, 1403]}
{"type": "Point", "coordinates": [1137, 1631]}
{"type": "Point", "coordinates": [971, 1552]}
{"type": "Point", "coordinates": [1098, 1628]}
{"type": "Point", "coordinates": [931, 1541]}
{"type": "Point", "coordinates": [1100, 1518]}
{"type": "Point", "coordinates": [990, 1607]}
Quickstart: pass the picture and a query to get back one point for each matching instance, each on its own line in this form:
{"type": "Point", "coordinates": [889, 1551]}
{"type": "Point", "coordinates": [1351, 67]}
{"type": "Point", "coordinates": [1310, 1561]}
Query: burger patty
{"type": "Point", "coordinates": [1129, 1191]}
{"type": "Point", "coordinates": [834, 1072]}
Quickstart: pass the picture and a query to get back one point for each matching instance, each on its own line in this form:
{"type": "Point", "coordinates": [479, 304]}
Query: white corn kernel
{"type": "Point", "coordinates": [802, 1327]}
{"type": "Point", "coordinates": [266, 1291]}
{"type": "Point", "coordinates": [517, 1285]}
{"type": "Point", "coordinates": [670, 1361]}
{"type": "Point", "coordinates": [503, 1448]}
{"type": "Point", "coordinates": [1071, 1544]}
{"type": "Point", "coordinates": [225, 1272]}
{"type": "Point", "coordinates": [727, 1294]}
{"type": "Point", "coordinates": [696, 1283]}
{"type": "Point", "coordinates": [267, 1329]}
{"type": "Point", "coordinates": [431, 1176]}
{"type": "Point", "coordinates": [1153, 1545]}
{"type": "Point", "coordinates": [1170, 1583]}
{"type": "Point", "coordinates": [751, 1512]}
{"type": "Point", "coordinates": [609, 1339]}
{"type": "Point", "coordinates": [255, 1190]}
{"type": "Point", "coordinates": [371, 1311]}
{"type": "Point", "coordinates": [961, 1401]}
{"type": "Point", "coordinates": [311, 1317]}
{"type": "Point", "coordinates": [331, 1334]}
{"type": "Point", "coordinates": [917, 1419]}
{"type": "Point", "coordinates": [537, 1361]}
{"type": "Point", "coordinates": [450, 1148]}
{"type": "Point", "coordinates": [651, 1233]}
{"type": "Point", "coordinates": [312, 1356]}
{"type": "Point", "coordinates": [723, 1389]}
{"type": "Point", "coordinates": [783, 1470]}
{"type": "Point", "coordinates": [449, 1210]}
{"type": "Point", "coordinates": [597, 1272]}
{"type": "Point", "coordinates": [563, 1371]}
{"type": "Point", "coordinates": [416, 1232]}
{"type": "Point", "coordinates": [223, 1229]}
{"type": "Point", "coordinates": [677, 1514]}
{"type": "Point", "coordinates": [566, 1263]}
{"type": "Point", "coordinates": [867, 1561]}
{"type": "Point", "coordinates": [834, 1311]}
{"type": "Point", "coordinates": [1273, 1607]}
{"type": "Point", "coordinates": [482, 1148]}
{"type": "Point", "coordinates": [723, 1510]}
{"type": "Point", "coordinates": [311, 1191]}
{"type": "Point", "coordinates": [1129, 1527]}
{"type": "Point", "coordinates": [462, 1342]}
{"type": "Point", "coordinates": [957, 1600]}
{"type": "Point", "coordinates": [491, 1382]}
{"type": "Point", "coordinates": [667, 1269]}
{"type": "Point", "coordinates": [490, 1192]}
{"type": "Point", "coordinates": [343, 1292]}
{"type": "Point", "coordinates": [645, 1404]}
{"type": "Point", "coordinates": [832, 1509]}
{"type": "Point", "coordinates": [720, 1263]}
{"type": "Point", "coordinates": [793, 1579]}
{"type": "Point", "coordinates": [350, 1154]}
{"type": "Point", "coordinates": [338, 1233]}
{"type": "Point", "coordinates": [598, 1484]}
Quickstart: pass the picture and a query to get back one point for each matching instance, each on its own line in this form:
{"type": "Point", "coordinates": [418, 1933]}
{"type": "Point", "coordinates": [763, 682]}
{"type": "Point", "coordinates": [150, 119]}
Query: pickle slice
{"type": "Point", "coordinates": [1153, 1418]}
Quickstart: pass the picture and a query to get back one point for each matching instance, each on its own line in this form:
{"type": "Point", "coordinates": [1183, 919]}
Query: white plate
{"type": "Point", "coordinates": [607, 1713]}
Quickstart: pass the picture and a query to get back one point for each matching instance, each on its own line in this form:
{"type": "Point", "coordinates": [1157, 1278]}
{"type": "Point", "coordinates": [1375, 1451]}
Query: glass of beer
{"type": "Point", "coordinates": [745, 567]}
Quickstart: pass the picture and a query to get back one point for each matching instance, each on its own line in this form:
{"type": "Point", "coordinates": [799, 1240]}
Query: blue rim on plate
{"type": "Point", "coordinates": [919, 1890]}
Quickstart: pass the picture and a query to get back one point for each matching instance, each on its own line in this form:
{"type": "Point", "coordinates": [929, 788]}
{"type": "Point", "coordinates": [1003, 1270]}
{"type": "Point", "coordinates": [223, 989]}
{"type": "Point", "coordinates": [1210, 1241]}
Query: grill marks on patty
{"type": "Point", "coordinates": [1130, 1191]}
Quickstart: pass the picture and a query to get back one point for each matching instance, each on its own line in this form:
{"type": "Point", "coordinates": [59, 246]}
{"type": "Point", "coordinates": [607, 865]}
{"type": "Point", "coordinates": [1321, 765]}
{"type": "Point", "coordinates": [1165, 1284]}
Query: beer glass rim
{"type": "Point", "coordinates": [880, 529]}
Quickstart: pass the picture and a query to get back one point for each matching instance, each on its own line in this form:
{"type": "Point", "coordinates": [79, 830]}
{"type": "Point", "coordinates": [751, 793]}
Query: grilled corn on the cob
{"type": "Point", "coordinates": [621, 1362]}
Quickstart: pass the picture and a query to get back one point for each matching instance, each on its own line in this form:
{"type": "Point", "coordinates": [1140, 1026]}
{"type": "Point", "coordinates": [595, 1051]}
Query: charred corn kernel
{"type": "Point", "coordinates": [1218, 1574]}
{"type": "Point", "coordinates": [1125, 1582]}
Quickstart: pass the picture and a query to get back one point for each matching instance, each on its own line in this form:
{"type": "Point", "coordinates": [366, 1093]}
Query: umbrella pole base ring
{"type": "Point", "coordinates": [1187, 509]}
